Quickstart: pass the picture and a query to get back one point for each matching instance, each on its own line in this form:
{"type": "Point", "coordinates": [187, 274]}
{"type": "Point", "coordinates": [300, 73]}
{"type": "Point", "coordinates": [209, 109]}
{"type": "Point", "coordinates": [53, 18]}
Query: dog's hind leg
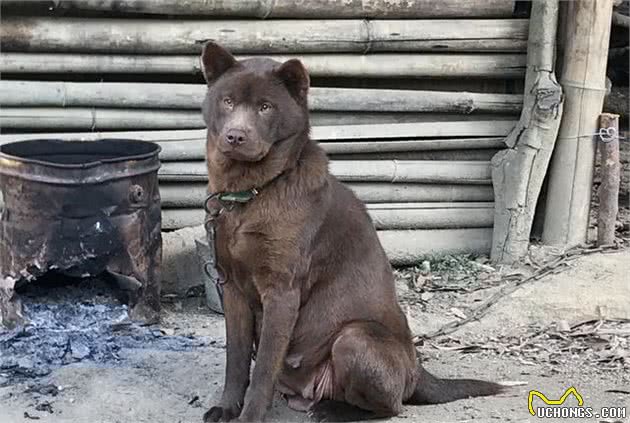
{"type": "Point", "coordinates": [372, 370]}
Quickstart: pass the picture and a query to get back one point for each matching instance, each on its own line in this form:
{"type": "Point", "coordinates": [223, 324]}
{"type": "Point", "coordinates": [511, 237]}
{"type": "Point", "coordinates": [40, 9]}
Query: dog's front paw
{"type": "Point", "coordinates": [221, 414]}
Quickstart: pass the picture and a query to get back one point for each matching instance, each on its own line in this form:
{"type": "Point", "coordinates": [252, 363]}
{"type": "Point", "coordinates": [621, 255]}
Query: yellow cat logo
{"type": "Point", "coordinates": [546, 400]}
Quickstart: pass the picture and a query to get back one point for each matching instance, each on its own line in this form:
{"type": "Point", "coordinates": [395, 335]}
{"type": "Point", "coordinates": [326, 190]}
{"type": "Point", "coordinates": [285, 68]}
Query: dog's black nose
{"type": "Point", "coordinates": [235, 137]}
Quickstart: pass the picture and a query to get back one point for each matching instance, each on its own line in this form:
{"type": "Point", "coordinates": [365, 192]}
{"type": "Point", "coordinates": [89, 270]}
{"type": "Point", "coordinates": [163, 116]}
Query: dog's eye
{"type": "Point", "coordinates": [228, 102]}
{"type": "Point", "coordinates": [265, 107]}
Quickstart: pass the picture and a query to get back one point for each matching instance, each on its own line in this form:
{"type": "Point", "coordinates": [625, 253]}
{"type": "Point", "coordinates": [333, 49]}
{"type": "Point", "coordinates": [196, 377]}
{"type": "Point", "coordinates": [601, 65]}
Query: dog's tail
{"type": "Point", "coordinates": [432, 390]}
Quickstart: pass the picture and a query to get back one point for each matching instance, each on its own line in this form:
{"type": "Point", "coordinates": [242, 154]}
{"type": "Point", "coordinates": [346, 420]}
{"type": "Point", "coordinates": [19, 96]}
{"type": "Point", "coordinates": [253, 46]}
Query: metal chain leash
{"type": "Point", "coordinates": [555, 266]}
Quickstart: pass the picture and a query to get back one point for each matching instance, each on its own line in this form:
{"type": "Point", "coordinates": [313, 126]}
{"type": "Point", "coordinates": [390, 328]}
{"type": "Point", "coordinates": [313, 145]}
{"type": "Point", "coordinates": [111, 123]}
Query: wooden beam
{"type": "Point", "coordinates": [610, 174]}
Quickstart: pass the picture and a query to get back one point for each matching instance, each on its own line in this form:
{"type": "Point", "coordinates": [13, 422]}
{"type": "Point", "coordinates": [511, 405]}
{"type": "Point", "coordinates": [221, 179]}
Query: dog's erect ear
{"type": "Point", "coordinates": [295, 78]}
{"type": "Point", "coordinates": [215, 60]}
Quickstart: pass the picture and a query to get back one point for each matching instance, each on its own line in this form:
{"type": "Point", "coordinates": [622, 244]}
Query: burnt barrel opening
{"type": "Point", "coordinates": [79, 153]}
{"type": "Point", "coordinates": [81, 209]}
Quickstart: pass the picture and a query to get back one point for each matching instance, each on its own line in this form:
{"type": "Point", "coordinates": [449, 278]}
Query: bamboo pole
{"type": "Point", "coordinates": [395, 146]}
{"type": "Point", "coordinates": [610, 174]}
{"type": "Point", "coordinates": [382, 65]}
{"type": "Point", "coordinates": [518, 171]}
{"type": "Point", "coordinates": [478, 128]}
{"type": "Point", "coordinates": [441, 155]}
{"type": "Point", "coordinates": [190, 96]}
{"type": "Point", "coordinates": [193, 195]}
{"type": "Point", "coordinates": [82, 118]}
{"type": "Point", "coordinates": [403, 247]}
{"type": "Point", "coordinates": [241, 36]}
{"type": "Point", "coordinates": [384, 216]}
{"type": "Point", "coordinates": [389, 216]}
{"type": "Point", "coordinates": [313, 9]}
{"type": "Point", "coordinates": [583, 81]}
{"type": "Point", "coordinates": [412, 246]}
{"type": "Point", "coordinates": [186, 195]}
{"type": "Point", "coordinates": [95, 119]}
{"type": "Point", "coordinates": [438, 134]}
{"type": "Point", "coordinates": [185, 149]}
{"type": "Point", "coordinates": [393, 171]}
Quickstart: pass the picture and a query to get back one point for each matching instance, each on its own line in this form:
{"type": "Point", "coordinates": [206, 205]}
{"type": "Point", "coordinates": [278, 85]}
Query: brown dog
{"type": "Point", "coordinates": [308, 286]}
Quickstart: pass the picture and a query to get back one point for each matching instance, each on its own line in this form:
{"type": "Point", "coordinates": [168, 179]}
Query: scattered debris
{"type": "Point", "coordinates": [194, 401]}
{"type": "Point", "coordinates": [601, 343]}
{"type": "Point", "coordinates": [458, 313]}
{"type": "Point", "coordinates": [44, 389]}
{"type": "Point", "coordinates": [45, 406]}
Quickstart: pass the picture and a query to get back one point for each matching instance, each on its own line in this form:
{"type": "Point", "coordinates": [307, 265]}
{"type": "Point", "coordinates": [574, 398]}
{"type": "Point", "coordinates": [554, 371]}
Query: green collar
{"type": "Point", "coordinates": [241, 197]}
{"type": "Point", "coordinates": [227, 201]}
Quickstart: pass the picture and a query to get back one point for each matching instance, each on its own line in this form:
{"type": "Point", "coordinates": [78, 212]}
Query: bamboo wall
{"type": "Point", "coordinates": [410, 99]}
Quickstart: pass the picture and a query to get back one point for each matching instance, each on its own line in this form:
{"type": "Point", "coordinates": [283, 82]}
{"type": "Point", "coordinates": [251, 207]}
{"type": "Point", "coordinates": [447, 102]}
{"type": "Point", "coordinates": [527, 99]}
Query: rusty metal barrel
{"type": "Point", "coordinates": [81, 208]}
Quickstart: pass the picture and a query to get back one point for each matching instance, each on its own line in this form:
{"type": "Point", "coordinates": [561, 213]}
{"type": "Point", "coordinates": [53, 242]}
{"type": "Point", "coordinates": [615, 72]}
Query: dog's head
{"type": "Point", "coordinates": [252, 104]}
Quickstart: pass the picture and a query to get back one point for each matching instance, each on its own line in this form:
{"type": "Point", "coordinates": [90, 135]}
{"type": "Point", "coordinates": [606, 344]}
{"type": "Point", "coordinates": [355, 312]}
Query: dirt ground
{"type": "Point", "coordinates": [567, 329]}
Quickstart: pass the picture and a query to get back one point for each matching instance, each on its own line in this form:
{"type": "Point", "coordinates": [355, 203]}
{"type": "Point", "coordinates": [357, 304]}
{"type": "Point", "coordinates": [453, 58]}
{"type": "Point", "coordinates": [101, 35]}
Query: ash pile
{"type": "Point", "coordinates": [74, 322]}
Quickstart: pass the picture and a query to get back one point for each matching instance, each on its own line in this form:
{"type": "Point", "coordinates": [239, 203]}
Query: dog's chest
{"type": "Point", "coordinates": [238, 240]}
{"type": "Point", "coordinates": [240, 247]}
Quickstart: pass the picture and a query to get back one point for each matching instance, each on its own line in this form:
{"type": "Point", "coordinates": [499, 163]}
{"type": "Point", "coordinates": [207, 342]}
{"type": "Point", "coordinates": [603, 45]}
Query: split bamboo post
{"type": "Point", "coordinates": [381, 65]}
{"type": "Point", "coordinates": [518, 171]}
{"type": "Point", "coordinates": [312, 9]}
{"type": "Point", "coordinates": [610, 173]}
{"type": "Point", "coordinates": [162, 36]}
{"type": "Point", "coordinates": [583, 80]}
{"type": "Point", "coordinates": [190, 96]}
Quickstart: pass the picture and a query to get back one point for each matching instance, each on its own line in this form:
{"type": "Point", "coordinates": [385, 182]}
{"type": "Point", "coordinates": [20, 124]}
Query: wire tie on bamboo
{"type": "Point", "coordinates": [605, 134]}
{"type": "Point", "coordinates": [608, 134]}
